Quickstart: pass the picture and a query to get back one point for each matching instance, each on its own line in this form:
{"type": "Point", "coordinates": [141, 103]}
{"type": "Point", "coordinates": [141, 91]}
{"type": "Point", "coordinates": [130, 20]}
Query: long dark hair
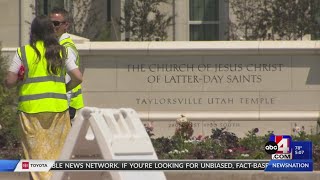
{"type": "Point", "coordinates": [42, 30]}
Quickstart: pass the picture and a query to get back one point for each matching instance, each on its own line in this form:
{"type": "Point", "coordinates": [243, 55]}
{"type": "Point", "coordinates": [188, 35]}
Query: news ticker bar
{"type": "Point", "coordinates": [163, 165]}
{"type": "Point", "coordinates": [98, 165]}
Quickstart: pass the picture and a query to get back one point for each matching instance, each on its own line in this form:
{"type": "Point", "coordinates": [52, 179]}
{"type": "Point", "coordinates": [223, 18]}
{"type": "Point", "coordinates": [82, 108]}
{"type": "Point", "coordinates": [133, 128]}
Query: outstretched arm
{"type": "Point", "coordinates": [12, 75]}
{"type": "Point", "coordinates": [11, 79]}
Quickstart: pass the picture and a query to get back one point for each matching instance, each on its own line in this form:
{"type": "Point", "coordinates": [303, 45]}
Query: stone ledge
{"type": "Point", "coordinates": [200, 48]}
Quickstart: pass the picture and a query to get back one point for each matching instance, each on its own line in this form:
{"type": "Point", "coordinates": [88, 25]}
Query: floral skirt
{"type": "Point", "coordinates": [43, 137]}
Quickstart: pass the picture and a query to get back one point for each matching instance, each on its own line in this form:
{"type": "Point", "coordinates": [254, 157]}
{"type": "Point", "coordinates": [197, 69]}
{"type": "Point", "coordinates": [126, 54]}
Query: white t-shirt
{"type": "Point", "coordinates": [70, 63]}
{"type": "Point", "coordinates": [71, 53]}
{"type": "Point", "coordinates": [73, 56]}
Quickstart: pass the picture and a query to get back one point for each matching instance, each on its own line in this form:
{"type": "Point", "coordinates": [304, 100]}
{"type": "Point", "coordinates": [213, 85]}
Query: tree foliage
{"type": "Point", "coordinates": [273, 19]}
{"type": "Point", "coordinates": [88, 21]}
{"type": "Point", "coordinates": [87, 17]}
{"type": "Point", "coordinates": [251, 19]}
{"type": "Point", "coordinates": [144, 21]}
{"type": "Point", "coordinates": [9, 133]}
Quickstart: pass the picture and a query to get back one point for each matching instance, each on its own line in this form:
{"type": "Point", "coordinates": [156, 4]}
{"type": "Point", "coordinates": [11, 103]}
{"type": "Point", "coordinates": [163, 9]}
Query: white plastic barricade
{"type": "Point", "coordinates": [118, 134]}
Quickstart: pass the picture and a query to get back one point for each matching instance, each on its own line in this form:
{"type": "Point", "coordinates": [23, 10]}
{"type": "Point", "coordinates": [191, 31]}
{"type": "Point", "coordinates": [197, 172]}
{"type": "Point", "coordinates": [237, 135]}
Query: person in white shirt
{"type": "Point", "coordinates": [61, 20]}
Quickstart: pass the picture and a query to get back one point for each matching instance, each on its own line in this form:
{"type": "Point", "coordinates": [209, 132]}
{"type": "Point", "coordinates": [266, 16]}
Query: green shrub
{"type": "Point", "coordinates": [221, 144]}
{"type": "Point", "coordinates": [9, 131]}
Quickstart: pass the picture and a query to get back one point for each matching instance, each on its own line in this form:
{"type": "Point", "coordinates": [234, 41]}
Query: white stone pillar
{"type": "Point", "coordinates": [27, 15]}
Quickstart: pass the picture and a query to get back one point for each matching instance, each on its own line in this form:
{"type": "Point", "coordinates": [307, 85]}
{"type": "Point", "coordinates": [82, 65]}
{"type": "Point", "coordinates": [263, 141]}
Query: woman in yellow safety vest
{"type": "Point", "coordinates": [43, 106]}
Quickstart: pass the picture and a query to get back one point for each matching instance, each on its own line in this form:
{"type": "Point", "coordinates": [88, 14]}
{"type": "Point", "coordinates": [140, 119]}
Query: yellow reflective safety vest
{"type": "Point", "coordinates": [39, 90]}
{"type": "Point", "coordinates": [76, 96]}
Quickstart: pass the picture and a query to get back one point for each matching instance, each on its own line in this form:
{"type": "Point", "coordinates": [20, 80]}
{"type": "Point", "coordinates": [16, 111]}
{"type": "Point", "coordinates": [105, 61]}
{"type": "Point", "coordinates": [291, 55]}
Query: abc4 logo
{"type": "Point", "coordinates": [271, 147]}
{"type": "Point", "coordinates": [282, 147]}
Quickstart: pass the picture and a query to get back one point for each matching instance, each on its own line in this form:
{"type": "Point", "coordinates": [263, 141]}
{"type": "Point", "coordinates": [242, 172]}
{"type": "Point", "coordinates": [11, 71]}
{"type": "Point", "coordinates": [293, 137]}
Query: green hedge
{"type": "Point", "coordinates": [221, 144]}
{"type": "Point", "coordinates": [9, 131]}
